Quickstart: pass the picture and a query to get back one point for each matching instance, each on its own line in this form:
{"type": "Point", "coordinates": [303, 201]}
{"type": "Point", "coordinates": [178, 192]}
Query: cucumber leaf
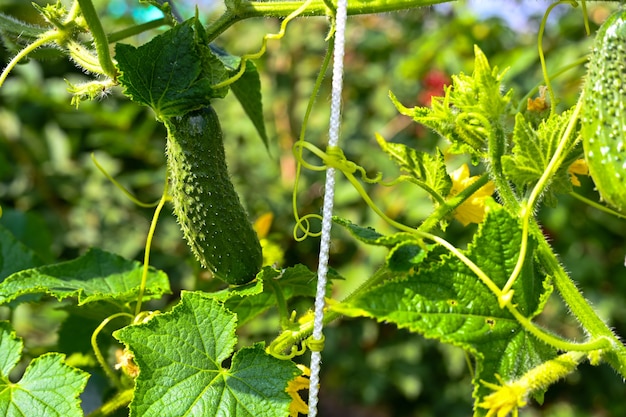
{"type": "Point", "coordinates": [446, 301]}
{"type": "Point", "coordinates": [471, 109]}
{"type": "Point", "coordinates": [247, 89]}
{"type": "Point", "coordinates": [48, 388]}
{"type": "Point", "coordinates": [181, 357]}
{"type": "Point", "coordinates": [95, 276]}
{"type": "Point", "coordinates": [174, 72]}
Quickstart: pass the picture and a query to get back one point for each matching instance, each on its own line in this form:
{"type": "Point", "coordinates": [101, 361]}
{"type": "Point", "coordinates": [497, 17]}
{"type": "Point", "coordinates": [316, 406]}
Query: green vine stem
{"type": "Point", "coordinates": [541, 185]}
{"type": "Point", "coordinates": [45, 38]}
{"type": "Point", "coordinates": [578, 306]}
{"type": "Point", "coordinates": [99, 37]}
{"type": "Point", "coordinates": [542, 58]}
{"type": "Point", "coordinates": [261, 51]}
{"type": "Point", "coordinates": [451, 204]}
{"type": "Point", "coordinates": [597, 205]}
{"type": "Point", "coordinates": [302, 223]}
{"type": "Point", "coordinates": [496, 148]}
{"type": "Point", "coordinates": [146, 260]}
{"type": "Point", "coordinates": [509, 396]}
{"type": "Point", "coordinates": [120, 186]}
{"type": "Point", "coordinates": [237, 10]}
{"type": "Point", "coordinates": [96, 350]}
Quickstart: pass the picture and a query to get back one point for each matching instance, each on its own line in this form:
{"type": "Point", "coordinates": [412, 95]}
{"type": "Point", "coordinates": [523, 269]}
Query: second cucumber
{"type": "Point", "coordinates": [208, 209]}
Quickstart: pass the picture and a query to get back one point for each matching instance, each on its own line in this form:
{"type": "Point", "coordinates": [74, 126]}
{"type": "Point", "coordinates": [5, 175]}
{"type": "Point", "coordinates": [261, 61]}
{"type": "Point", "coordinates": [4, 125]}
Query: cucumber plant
{"type": "Point", "coordinates": [483, 297]}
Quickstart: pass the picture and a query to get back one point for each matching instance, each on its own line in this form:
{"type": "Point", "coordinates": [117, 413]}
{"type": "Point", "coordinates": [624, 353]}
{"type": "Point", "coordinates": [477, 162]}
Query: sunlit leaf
{"type": "Point", "coordinates": [181, 357]}
{"type": "Point", "coordinates": [95, 276]}
{"type": "Point", "coordinates": [48, 388]}
{"type": "Point", "coordinates": [446, 301]}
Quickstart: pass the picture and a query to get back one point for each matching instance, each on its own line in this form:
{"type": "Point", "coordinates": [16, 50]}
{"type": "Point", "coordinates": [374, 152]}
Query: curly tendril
{"type": "Point", "coordinates": [270, 36]}
{"type": "Point", "coordinates": [333, 157]}
{"type": "Point", "coordinates": [542, 58]}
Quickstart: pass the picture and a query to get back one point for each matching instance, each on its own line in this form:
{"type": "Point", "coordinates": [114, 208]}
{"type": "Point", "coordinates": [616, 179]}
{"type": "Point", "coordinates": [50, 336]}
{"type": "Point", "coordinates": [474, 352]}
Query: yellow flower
{"type": "Point", "coordinates": [506, 398]}
{"type": "Point", "coordinates": [473, 209]}
{"type": "Point", "coordinates": [578, 167]}
{"type": "Point", "coordinates": [273, 254]}
{"type": "Point", "coordinates": [301, 382]}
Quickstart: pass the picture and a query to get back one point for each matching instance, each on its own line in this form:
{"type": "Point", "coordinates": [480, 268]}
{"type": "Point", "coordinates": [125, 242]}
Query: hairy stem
{"type": "Point", "coordinates": [46, 37]}
{"type": "Point", "coordinates": [99, 37]}
{"type": "Point", "coordinates": [244, 9]}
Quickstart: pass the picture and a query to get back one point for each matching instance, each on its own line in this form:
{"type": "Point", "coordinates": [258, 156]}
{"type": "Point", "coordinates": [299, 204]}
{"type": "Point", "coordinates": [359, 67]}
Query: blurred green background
{"type": "Point", "coordinates": [57, 202]}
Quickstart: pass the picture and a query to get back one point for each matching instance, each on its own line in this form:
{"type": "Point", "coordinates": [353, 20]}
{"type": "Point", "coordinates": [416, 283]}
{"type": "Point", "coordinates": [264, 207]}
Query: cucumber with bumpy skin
{"type": "Point", "coordinates": [604, 111]}
{"type": "Point", "coordinates": [208, 209]}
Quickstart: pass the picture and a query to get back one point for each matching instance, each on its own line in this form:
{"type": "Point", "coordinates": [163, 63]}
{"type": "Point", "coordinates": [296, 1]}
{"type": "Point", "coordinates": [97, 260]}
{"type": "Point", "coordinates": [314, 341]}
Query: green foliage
{"type": "Point", "coordinates": [427, 171]}
{"type": "Point", "coordinates": [181, 357]}
{"type": "Point", "coordinates": [173, 73]}
{"type": "Point", "coordinates": [95, 276]}
{"type": "Point", "coordinates": [48, 387]}
{"type": "Point", "coordinates": [471, 110]}
{"type": "Point", "coordinates": [495, 292]}
{"type": "Point", "coordinates": [443, 299]}
{"type": "Point", "coordinates": [534, 148]}
{"type": "Point", "coordinates": [247, 89]}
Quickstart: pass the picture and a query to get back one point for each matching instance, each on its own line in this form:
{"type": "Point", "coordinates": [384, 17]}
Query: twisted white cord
{"type": "Point", "coordinates": [329, 192]}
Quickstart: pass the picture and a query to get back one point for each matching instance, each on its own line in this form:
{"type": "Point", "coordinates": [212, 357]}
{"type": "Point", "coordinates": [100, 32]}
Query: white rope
{"type": "Point", "coordinates": [329, 192]}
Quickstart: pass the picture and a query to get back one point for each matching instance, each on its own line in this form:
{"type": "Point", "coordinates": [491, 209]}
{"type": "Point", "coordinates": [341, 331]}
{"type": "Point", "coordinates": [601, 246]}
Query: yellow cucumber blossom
{"type": "Point", "coordinates": [507, 398]}
{"type": "Point", "coordinates": [273, 254]}
{"type": "Point", "coordinates": [473, 209]}
{"type": "Point", "coordinates": [578, 167]}
{"type": "Point", "coordinates": [301, 382]}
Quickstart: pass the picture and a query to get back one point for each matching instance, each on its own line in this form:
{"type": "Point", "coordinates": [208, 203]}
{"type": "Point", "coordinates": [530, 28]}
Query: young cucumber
{"type": "Point", "coordinates": [604, 111]}
{"type": "Point", "coordinates": [213, 221]}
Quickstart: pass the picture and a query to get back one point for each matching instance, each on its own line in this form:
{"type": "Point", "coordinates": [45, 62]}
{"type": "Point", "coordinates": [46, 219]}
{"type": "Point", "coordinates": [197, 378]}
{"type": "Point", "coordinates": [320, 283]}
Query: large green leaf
{"type": "Point", "coordinates": [173, 73]}
{"type": "Point", "coordinates": [95, 276]}
{"type": "Point", "coordinates": [180, 355]}
{"type": "Point", "coordinates": [446, 301]}
{"type": "Point", "coordinates": [48, 387]}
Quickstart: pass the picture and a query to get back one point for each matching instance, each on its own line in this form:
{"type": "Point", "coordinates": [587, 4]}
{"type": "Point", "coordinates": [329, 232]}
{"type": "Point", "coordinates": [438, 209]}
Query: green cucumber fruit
{"type": "Point", "coordinates": [604, 111]}
{"type": "Point", "coordinates": [208, 209]}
